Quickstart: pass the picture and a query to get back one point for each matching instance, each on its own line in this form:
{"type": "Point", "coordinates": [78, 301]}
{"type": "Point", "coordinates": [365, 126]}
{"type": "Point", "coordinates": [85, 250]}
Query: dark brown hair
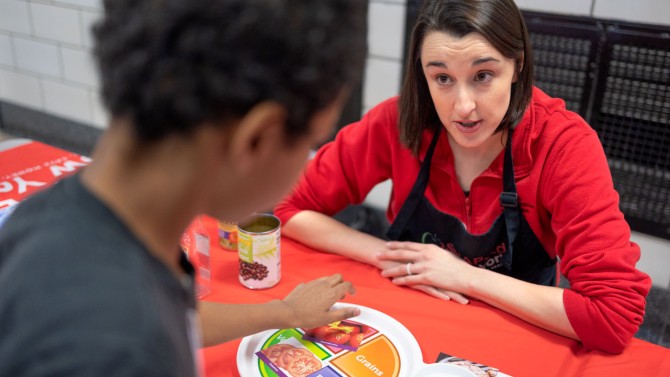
{"type": "Point", "coordinates": [500, 22]}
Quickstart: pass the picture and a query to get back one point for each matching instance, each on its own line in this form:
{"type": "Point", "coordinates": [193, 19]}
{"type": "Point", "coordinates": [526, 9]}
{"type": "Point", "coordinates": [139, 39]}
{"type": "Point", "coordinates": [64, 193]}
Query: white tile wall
{"type": "Point", "coordinates": [380, 195]}
{"type": "Point", "coordinates": [100, 115]}
{"type": "Point", "coordinates": [21, 89]}
{"type": "Point", "coordinates": [67, 101]}
{"type": "Point", "coordinates": [574, 7]}
{"type": "Point", "coordinates": [87, 21]}
{"type": "Point", "coordinates": [382, 80]}
{"type": "Point", "coordinates": [45, 57]}
{"type": "Point", "coordinates": [386, 29]}
{"type": "Point", "coordinates": [79, 67]}
{"type": "Point", "coordinates": [14, 16]}
{"type": "Point", "coordinates": [56, 23]}
{"type": "Point", "coordinates": [655, 258]}
{"type": "Point", "coordinates": [6, 51]}
{"type": "Point", "coordinates": [94, 4]}
{"type": "Point", "coordinates": [646, 11]}
{"type": "Point", "coordinates": [383, 71]}
{"type": "Point", "coordinates": [37, 57]}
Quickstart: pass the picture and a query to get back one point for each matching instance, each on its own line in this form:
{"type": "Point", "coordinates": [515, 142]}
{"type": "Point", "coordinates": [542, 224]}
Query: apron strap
{"type": "Point", "coordinates": [510, 203]}
{"type": "Point", "coordinates": [407, 210]}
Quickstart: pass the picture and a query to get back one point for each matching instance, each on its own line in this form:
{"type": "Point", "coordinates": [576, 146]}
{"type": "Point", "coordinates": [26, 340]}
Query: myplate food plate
{"type": "Point", "coordinates": [369, 345]}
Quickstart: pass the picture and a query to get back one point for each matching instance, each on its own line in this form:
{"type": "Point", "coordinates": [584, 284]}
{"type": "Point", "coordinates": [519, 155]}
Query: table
{"type": "Point", "coordinates": [476, 331]}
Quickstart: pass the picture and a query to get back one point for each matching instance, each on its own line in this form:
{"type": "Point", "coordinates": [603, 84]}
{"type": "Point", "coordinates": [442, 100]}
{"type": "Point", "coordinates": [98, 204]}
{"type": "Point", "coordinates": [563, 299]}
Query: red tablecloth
{"type": "Point", "coordinates": [476, 331]}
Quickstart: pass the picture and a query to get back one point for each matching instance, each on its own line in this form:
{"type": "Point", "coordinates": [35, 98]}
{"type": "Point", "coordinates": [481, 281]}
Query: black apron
{"type": "Point", "coordinates": [509, 247]}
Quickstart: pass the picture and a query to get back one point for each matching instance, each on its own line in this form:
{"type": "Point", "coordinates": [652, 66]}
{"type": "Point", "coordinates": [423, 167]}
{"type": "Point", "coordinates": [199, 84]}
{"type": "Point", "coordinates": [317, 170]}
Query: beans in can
{"type": "Point", "coordinates": [259, 250]}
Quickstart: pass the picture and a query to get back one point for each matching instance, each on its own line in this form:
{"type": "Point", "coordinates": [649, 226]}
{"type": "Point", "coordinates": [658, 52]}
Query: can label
{"type": "Point", "coordinates": [259, 250]}
{"type": "Point", "coordinates": [228, 235]}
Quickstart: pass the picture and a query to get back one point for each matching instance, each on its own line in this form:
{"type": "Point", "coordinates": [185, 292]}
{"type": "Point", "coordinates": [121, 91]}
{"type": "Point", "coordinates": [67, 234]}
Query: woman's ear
{"type": "Point", "coordinates": [519, 68]}
{"type": "Point", "coordinates": [258, 135]}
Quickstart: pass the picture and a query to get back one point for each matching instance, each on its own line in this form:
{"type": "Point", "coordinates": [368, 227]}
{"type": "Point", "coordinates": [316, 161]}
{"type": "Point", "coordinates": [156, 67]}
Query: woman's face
{"type": "Point", "coordinates": [469, 82]}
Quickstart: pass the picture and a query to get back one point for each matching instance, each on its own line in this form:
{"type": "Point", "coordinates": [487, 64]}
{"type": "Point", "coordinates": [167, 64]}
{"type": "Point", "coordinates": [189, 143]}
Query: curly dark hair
{"type": "Point", "coordinates": [500, 22]}
{"type": "Point", "coordinates": [170, 65]}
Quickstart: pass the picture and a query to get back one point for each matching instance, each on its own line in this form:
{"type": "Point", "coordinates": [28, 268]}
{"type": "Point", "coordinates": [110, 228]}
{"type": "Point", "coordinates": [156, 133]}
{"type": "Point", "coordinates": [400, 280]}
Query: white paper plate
{"type": "Point", "coordinates": [408, 351]}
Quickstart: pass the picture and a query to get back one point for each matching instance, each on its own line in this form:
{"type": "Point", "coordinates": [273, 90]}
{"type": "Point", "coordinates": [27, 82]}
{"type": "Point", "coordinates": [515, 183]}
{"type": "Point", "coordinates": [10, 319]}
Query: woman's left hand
{"type": "Point", "coordinates": [427, 268]}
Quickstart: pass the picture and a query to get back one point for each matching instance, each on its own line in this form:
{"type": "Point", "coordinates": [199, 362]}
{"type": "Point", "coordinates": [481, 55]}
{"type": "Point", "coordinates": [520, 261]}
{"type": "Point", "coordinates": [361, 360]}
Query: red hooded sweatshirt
{"type": "Point", "coordinates": [565, 192]}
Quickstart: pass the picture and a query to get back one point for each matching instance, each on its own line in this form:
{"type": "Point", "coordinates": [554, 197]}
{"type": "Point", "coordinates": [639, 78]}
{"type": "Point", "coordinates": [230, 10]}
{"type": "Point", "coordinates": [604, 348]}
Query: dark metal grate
{"type": "Point", "coordinates": [561, 73]}
{"type": "Point", "coordinates": [566, 52]}
{"type": "Point", "coordinates": [566, 83]}
{"type": "Point", "coordinates": [632, 118]}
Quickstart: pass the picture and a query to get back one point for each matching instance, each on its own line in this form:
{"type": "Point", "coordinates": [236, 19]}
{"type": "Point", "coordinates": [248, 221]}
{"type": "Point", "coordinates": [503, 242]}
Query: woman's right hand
{"type": "Point", "coordinates": [394, 267]}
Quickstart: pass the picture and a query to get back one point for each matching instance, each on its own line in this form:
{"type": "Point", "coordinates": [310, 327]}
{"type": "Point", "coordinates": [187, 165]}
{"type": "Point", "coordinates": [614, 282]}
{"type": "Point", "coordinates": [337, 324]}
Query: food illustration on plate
{"type": "Point", "coordinates": [340, 349]}
{"type": "Point", "coordinates": [296, 361]}
{"type": "Point", "coordinates": [340, 334]}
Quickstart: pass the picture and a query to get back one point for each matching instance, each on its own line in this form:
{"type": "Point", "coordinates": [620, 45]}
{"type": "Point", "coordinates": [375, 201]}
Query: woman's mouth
{"type": "Point", "coordinates": [468, 126]}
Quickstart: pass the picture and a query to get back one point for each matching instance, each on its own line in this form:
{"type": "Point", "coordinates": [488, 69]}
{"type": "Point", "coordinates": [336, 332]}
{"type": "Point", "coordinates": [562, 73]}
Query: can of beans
{"type": "Point", "coordinates": [258, 247]}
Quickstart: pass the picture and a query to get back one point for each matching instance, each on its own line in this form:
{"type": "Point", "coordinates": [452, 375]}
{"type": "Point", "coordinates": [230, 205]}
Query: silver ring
{"type": "Point", "coordinates": [407, 268]}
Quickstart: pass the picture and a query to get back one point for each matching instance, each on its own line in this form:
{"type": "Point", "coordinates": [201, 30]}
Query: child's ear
{"type": "Point", "coordinates": [258, 134]}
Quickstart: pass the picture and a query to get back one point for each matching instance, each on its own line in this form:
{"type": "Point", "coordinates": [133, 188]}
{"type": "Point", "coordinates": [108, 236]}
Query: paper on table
{"type": "Point", "coordinates": [480, 370]}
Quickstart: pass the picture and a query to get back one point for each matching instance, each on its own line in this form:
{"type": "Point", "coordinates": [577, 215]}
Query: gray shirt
{"type": "Point", "coordinates": [81, 296]}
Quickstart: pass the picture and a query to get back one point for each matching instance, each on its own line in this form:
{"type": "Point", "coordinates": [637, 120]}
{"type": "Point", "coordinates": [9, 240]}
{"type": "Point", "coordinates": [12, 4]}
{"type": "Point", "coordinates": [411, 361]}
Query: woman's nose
{"type": "Point", "coordinates": [465, 102]}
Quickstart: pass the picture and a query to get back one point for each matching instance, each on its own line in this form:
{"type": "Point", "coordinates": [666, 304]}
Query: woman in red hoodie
{"type": "Point", "coordinates": [489, 168]}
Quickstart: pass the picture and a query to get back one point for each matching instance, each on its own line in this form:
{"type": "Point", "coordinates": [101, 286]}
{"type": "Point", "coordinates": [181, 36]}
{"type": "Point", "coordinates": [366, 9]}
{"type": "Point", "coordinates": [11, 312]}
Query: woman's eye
{"type": "Point", "coordinates": [484, 76]}
{"type": "Point", "coordinates": [442, 79]}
